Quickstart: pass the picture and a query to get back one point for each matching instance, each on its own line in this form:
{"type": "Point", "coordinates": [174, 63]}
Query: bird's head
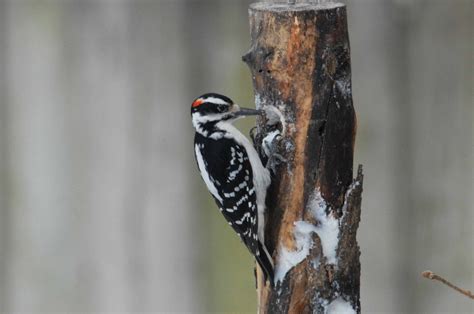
{"type": "Point", "coordinates": [213, 108]}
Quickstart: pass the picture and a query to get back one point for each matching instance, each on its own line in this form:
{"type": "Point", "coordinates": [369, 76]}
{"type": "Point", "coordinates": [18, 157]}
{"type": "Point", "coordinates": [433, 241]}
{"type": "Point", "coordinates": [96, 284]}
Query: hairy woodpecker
{"type": "Point", "coordinates": [232, 170]}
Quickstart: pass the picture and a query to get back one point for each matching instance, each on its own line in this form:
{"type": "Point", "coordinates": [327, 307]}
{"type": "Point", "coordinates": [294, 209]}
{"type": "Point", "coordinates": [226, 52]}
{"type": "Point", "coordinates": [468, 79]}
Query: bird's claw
{"type": "Point", "coordinates": [270, 147]}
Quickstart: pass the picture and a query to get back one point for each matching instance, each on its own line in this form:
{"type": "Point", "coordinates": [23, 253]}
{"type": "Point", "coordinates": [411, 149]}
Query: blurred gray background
{"type": "Point", "coordinates": [101, 206]}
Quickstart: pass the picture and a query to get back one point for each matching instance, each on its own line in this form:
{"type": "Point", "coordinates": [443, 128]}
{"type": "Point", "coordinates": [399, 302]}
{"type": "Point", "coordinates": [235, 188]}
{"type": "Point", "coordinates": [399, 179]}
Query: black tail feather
{"type": "Point", "coordinates": [264, 259]}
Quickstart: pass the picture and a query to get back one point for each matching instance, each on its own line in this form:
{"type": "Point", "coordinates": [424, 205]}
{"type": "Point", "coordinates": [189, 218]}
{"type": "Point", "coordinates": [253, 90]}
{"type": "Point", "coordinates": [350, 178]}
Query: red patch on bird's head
{"type": "Point", "coordinates": [197, 102]}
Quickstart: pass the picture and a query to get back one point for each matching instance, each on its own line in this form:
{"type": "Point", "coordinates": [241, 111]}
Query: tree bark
{"type": "Point", "coordinates": [300, 64]}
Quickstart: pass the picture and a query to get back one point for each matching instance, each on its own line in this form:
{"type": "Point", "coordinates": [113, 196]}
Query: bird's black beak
{"type": "Point", "coordinates": [243, 112]}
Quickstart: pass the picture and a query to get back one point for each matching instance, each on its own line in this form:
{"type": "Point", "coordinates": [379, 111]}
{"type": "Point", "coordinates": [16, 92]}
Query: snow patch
{"type": "Point", "coordinates": [273, 115]}
{"type": "Point", "coordinates": [316, 262]}
{"type": "Point", "coordinates": [267, 142]}
{"type": "Point", "coordinates": [351, 188]}
{"type": "Point", "coordinates": [327, 229]}
{"type": "Point", "coordinates": [339, 306]}
{"type": "Point", "coordinates": [344, 87]}
{"type": "Point", "coordinates": [288, 259]}
{"type": "Point", "coordinates": [258, 101]}
{"type": "Point", "coordinates": [273, 112]}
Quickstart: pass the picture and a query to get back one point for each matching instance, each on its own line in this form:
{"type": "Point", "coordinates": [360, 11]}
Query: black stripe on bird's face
{"type": "Point", "coordinates": [211, 103]}
{"type": "Point", "coordinates": [209, 109]}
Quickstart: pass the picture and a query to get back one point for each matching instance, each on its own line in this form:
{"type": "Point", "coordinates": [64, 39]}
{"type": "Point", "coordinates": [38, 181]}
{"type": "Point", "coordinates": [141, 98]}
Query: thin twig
{"type": "Point", "coordinates": [430, 275]}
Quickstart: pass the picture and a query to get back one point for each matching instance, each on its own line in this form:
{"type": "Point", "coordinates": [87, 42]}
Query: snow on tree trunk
{"type": "Point", "coordinates": [300, 64]}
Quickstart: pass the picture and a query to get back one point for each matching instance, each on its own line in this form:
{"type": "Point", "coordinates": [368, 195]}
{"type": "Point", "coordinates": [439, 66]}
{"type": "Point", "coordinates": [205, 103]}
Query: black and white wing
{"type": "Point", "coordinates": [229, 178]}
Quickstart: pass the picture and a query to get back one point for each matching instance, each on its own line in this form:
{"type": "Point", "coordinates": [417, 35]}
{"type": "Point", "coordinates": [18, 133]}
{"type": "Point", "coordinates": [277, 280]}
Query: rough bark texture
{"type": "Point", "coordinates": [300, 64]}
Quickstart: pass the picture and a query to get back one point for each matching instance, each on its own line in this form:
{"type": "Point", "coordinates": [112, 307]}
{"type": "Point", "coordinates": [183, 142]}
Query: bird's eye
{"type": "Point", "coordinates": [222, 108]}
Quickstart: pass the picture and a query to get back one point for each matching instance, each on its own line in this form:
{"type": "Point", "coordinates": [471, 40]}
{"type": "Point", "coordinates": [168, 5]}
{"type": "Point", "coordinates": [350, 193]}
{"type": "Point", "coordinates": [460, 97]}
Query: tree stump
{"type": "Point", "coordinates": [300, 65]}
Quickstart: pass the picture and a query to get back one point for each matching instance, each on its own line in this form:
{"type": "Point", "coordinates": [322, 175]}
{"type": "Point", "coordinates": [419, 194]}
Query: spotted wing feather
{"type": "Point", "coordinates": [231, 174]}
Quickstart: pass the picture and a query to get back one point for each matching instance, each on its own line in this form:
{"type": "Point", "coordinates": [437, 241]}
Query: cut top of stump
{"type": "Point", "coordinates": [285, 7]}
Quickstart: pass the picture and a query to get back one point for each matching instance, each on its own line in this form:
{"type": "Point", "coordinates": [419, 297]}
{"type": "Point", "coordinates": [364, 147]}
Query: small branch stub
{"type": "Point", "coordinates": [300, 65]}
{"type": "Point", "coordinates": [430, 275]}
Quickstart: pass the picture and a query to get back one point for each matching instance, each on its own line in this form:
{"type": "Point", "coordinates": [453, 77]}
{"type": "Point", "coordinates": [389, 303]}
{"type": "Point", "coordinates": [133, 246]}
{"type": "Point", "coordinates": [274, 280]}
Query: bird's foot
{"type": "Point", "coordinates": [270, 148]}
